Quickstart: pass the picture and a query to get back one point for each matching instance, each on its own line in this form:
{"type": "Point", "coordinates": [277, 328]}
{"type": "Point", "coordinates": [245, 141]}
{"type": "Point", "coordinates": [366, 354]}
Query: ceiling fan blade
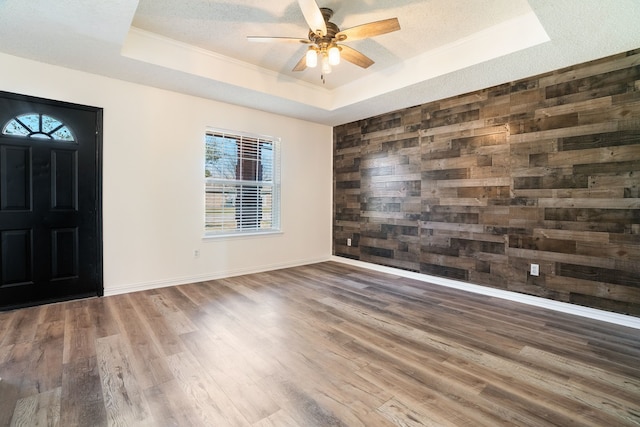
{"type": "Point", "coordinates": [266, 39]}
{"type": "Point", "coordinates": [313, 16]}
{"type": "Point", "coordinates": [349, 54]}
{"type": "Point", "coordinates": [301, 65]}
{"type": "Point", "coordinates": [369, 30]}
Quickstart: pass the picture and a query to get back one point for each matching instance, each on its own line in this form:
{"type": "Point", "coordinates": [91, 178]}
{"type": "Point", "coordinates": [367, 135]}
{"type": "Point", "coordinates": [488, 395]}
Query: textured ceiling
{"type": "Point", "coordinates": [223, 26]}
{"type": "Point", "coordinates": [199, 47]}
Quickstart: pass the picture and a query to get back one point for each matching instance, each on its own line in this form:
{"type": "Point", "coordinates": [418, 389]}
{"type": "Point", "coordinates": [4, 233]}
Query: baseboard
{"type": "Point", "coordinates": [591, 313]}
{"type": "Point", "coordinates": [144, 286]}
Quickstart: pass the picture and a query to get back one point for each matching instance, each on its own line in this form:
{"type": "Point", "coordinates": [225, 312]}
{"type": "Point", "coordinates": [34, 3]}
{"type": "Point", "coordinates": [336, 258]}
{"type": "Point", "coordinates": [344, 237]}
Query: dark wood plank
{"type": "Point", "coordinates": [82, 401]}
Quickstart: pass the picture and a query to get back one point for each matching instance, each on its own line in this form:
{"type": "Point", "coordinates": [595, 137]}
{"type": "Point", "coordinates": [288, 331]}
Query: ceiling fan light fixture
{"type": "Point", "coordinates": [334, 55]}
{"type": "Point", "coordinates": [312, 58]}
{"type": "Point", "coordinates": [323, 38]}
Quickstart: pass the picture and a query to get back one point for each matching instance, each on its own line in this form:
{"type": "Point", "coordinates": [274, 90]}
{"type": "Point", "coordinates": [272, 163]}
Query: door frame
{"type": "Point", "coordinates": [99, 274]}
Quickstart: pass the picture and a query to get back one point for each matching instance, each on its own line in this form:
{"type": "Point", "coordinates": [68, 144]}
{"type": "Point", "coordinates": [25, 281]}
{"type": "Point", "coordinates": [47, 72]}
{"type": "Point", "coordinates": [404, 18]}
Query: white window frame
{"type": "Point", "coordinates": [225, 212]}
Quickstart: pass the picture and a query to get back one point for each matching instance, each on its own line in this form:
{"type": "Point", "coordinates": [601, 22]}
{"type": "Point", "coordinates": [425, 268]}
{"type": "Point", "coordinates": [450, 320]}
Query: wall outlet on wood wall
{"type": "Point", "coordinates": [348, 242]}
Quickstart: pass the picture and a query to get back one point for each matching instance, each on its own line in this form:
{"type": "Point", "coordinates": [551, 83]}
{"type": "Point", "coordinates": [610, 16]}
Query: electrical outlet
{"type": "Point", "coordinates": [348, 242]}
{"type": "Point", "coordinates": [196, 253]}
{"type": "Point", "coordinates": [535, 269]}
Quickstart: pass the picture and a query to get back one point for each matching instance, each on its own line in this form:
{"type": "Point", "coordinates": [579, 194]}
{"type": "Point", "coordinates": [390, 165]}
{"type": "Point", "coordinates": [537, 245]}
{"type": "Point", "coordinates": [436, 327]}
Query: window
{"type": "Point", "coordinates": [34, 125]}
{"type": "Point", "coordinates": [242, 184]}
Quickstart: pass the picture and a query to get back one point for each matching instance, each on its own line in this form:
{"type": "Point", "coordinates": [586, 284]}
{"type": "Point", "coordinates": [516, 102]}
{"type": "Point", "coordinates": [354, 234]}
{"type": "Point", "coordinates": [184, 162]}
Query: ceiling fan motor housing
{"type": "Point", "coordinates": [332, 30]}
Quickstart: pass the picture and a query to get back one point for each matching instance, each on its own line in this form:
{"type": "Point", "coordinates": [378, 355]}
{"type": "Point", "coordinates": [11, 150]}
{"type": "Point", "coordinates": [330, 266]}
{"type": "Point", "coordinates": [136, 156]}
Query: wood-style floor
{"type": "Point", "coordinates": [320, 345]}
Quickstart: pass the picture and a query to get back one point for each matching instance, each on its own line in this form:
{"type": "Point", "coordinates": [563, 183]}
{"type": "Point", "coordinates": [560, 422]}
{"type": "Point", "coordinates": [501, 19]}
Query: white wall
{"type": "Point", "coordinates": [153, 203]}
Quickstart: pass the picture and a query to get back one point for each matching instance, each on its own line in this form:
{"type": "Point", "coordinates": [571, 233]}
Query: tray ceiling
{"type": "Point", "coordinates": [199, 47]}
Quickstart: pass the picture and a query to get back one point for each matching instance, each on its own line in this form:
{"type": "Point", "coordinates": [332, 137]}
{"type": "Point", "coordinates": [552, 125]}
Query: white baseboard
{"type": "Point", "coordinates": [144, 286]}
{"type": "Point", "coordinates": [591, 313]}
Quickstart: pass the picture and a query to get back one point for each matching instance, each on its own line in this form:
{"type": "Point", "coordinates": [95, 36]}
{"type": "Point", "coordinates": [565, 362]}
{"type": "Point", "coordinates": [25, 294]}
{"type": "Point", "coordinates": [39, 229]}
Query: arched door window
{"type": "Point", "coordinates": [34, 125]}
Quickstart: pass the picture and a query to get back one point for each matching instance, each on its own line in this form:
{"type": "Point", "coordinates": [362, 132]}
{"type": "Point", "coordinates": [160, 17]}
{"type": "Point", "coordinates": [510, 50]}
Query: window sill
{"type": "Point", "coordinates": [248, 234]}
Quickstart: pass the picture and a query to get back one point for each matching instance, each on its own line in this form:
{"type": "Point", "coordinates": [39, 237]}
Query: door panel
{"type": "Point", "coordinates": [17, 256]}
{"type": "Point", "coordinates": [64, 180]}
{"type": "Point", "coordinates": [64, 253]}
{"type": "Point", "coordinates": [15, 178]}
{"type": "Point", "coordinates": [50, 220]}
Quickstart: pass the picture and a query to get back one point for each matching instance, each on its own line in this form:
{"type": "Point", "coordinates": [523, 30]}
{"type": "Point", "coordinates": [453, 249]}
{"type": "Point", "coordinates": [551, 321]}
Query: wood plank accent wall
{"type": "Point", "coordinates": [476, 187]}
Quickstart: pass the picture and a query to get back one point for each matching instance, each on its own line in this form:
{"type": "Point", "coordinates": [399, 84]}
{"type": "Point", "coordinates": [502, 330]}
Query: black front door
{"type": "Point", "coordinates": [50, 175]}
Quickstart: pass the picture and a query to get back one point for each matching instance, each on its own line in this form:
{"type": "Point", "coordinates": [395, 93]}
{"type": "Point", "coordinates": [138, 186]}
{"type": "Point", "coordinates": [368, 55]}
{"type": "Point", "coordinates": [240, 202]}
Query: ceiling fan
{"type": "Point", "coordinates": [325, 38]}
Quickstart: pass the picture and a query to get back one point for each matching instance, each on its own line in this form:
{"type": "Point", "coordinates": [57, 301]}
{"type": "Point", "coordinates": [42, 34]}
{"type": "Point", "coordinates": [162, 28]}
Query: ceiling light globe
{"type": "Point", "coordinates": [326, 67]}
{"type": "Point", "coordinates": [334, 55]}
{"type": "Point", "coordinates": [312, 58]}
